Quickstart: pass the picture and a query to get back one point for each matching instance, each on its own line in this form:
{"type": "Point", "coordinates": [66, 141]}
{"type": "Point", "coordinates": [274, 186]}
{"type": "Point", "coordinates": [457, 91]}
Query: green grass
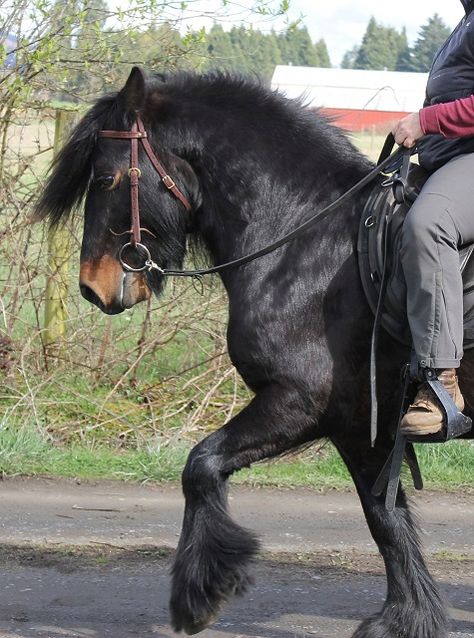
{"type": "Point", "coordinates": [27, 452]}
{"type": "Point", "coordinates": [446, 466]}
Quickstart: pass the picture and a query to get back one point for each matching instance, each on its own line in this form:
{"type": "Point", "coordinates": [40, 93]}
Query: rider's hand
{"type": "Point", "coordinates": [408, 130]}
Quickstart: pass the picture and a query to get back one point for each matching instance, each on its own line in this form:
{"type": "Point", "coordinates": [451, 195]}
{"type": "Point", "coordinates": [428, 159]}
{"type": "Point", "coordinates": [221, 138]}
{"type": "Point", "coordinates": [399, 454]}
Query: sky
{"type": "Point", "coordinates": [342, 23]}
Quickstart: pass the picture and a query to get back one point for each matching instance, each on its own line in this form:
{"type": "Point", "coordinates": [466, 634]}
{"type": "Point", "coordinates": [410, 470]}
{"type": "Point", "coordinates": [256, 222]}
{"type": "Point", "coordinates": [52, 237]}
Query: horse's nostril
{"type": "Point", "coordinates": [89, 294]}
{"type": "Point", "coordinates": [110, 307]}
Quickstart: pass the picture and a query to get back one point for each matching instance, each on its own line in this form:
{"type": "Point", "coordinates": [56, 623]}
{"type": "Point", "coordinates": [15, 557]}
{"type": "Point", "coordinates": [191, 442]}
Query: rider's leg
{"type": "Point", "coordinates": [441, 219]}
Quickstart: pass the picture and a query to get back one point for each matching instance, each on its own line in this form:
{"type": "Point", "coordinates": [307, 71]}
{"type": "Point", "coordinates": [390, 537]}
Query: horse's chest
{"type": "Point", "coordinates": [270, 346]}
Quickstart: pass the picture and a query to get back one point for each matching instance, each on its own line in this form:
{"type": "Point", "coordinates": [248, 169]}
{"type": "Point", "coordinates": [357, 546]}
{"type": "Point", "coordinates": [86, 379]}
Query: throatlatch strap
{"type": "Point", "coordinates": [160, 169]}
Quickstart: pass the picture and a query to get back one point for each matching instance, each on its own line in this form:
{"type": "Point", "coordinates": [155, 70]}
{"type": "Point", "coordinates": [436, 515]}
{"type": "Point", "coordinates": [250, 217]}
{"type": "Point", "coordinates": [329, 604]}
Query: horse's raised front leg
{"type": "Point", "coordinates": [214, 552]}
{"type": "Point", "coordinates": [413, 608]}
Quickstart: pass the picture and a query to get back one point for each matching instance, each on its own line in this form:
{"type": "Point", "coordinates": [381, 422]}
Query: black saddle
{"type": "Point", "coordinates": [383, 215]}
{"type": "Point", "coordinates": [384, 285]}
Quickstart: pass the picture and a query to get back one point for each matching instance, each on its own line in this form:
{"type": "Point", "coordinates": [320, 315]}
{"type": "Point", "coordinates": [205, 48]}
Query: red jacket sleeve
{"type": "Point", "coordinates": [451, 119]}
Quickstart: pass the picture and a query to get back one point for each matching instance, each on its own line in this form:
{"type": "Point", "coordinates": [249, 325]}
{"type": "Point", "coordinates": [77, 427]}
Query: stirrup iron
{"type": "Point", "coordinates": [457, 424]}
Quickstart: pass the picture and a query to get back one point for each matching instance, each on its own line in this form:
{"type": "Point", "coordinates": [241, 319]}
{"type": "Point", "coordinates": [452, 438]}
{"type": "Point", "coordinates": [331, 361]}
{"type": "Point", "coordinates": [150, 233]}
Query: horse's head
{"type": "Point", "coordinates": [97, 167]}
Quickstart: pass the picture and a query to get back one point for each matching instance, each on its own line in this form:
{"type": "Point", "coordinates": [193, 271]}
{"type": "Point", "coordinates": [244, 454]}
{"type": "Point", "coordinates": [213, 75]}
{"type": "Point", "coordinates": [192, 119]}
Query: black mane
{"type": "Point", "coordinates": [287, 120]}
{"type": "Point", "coordinates": [290, 121]}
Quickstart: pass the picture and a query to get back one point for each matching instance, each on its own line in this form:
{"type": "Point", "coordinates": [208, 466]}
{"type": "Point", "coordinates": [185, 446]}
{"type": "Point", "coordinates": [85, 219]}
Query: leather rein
{"type": "Point", "coordinates": [138, 134]}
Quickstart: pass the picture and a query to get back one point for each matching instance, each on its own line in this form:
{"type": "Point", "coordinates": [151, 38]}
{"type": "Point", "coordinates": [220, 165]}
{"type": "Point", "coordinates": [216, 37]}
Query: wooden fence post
{"type": "Point", "coordinates": [59, 245]}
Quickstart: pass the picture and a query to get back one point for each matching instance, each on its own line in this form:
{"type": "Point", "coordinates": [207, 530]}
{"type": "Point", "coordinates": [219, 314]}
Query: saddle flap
{"type": "Point", "coordinates": [382, 215]}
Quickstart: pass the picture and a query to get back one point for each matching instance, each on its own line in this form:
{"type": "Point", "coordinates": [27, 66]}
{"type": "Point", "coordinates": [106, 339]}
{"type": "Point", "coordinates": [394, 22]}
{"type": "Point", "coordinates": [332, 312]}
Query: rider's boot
{"type": "Point", "coordinates": [425, 415]}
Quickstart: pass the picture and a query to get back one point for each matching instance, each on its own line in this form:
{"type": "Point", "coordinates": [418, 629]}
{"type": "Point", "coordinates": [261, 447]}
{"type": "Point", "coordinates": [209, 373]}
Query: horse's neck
{"type": "Point", "coordinates": [254, 194]}
{"type": "Point", "coordinates": [232, 228]}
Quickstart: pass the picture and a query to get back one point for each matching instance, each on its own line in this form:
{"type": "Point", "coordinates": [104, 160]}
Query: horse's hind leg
{"type": "Point", "coordinates": [413, 608]}
{"type": "Point", "coordinates": [213, 552]}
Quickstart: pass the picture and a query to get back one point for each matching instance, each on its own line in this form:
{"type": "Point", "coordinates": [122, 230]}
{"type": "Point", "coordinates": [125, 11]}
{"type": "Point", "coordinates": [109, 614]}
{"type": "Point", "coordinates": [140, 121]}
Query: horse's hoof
{"type": "Point", "coordinates": [193, 626]}
{"type": "Point", "coordinates": [196, 627]}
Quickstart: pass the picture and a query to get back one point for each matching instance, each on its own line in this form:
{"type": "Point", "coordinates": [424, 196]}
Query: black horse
{"type": "Point", "coordinates": [253, 165]}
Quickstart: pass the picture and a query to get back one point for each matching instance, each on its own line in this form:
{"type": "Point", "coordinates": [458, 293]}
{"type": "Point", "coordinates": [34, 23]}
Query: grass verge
{"type": "Point", "coordinates": [27, 452]}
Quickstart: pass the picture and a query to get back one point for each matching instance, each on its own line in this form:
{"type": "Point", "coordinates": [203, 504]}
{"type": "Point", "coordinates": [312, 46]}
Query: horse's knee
{"type": "Point", "coordinates": [201, 473]}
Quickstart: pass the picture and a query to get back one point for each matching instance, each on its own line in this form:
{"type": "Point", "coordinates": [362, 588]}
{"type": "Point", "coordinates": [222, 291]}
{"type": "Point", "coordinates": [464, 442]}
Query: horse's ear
{"type": "Point", "coordinates": [134, 91]}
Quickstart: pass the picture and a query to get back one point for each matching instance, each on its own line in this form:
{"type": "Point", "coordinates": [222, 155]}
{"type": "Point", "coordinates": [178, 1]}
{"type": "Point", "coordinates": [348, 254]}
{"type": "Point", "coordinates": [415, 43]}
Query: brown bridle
{"type": "Point", "coordinates": [387, 162]}
{"type": "Point", "coordinates": [135, 135]}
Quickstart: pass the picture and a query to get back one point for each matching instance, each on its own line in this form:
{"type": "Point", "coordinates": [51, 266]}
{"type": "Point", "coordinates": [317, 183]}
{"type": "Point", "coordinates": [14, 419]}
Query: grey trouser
{"type": "Point", "coordinates": [440, 220]}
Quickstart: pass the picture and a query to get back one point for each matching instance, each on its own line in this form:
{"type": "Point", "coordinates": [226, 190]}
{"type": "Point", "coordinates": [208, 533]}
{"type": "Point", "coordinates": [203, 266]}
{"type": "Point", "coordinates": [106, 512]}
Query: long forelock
{"type": "Point", "coordinates": [70, 172]}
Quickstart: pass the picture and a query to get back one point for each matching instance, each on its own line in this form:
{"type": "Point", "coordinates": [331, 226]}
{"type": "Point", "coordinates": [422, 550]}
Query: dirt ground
{"type": "Point", "coordinates": [93, 561]}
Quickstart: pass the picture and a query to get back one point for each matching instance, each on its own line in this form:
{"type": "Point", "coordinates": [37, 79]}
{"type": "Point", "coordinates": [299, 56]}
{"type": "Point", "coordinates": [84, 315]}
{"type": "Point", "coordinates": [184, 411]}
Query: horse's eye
{"type": "Point", "coordinates": [105, 182]}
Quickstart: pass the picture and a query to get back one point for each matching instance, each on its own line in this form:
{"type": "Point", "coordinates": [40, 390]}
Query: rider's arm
{"type": "Point", "coordinates": [450, 119]}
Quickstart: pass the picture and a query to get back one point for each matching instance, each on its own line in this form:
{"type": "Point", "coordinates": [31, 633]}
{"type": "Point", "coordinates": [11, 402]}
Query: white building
{"type": "Point", "coordinates": [356, 99]}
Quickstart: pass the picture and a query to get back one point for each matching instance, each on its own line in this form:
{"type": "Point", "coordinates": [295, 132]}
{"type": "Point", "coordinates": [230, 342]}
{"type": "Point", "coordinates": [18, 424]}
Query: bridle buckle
{"type": "Point", "coordinates": [168, 182]}
{"type": "Point", "coordinates": [134, 169]}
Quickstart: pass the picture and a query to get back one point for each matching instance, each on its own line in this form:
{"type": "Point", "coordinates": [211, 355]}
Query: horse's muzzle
{"type": "Point", "coordinates": [105, 284]}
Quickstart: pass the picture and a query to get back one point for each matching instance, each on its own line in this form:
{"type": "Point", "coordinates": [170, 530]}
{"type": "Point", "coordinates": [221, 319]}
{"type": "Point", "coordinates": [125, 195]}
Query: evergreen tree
{"type": "Point", "coordinates": [274, 49]}
{"type": "Point", "coordinates": [221, 48]}
{"type": "Point", "coordinates": [381, 48]}
{"type": "Point", "coordinates": [398, 43]}
{"type": "Point", "coordinates": [371, 54]}
{"type": "Point", "coordinates": [298, 48]}
{"type": "Point", "coordinates": [404, 56]}
{"type": "Point", "coordinates": [158, 44]}
{"type": "Point", "coordinates": [322, 54]}
{"type": "Point", "coordinates": [430, 38]}
{"type": "Point", "coordinates": [283, 48]}
{"type": "Point", "coordinates": [350, 57]}
{"type": "Point", "coordinates": [307, 55]}
{"type": "Point", "coordinates": [263, 54]}
{"type": "Point", "coordinates": [250, 51]}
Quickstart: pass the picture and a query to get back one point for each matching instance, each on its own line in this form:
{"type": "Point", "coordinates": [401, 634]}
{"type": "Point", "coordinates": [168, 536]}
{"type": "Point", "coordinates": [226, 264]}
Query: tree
{"type": "Point", "coordinates": [350, 57]}
{"type": "Point", "coordinates": [430, 38]}
{"type": "Point", "coordinates": [296, 48]}
{"type": "Point", "coordinates": [87, 38]}
{"type": "Point", "coordinates": [322, 54]}
{"type": "Point", "coordinates": [262, 54]}
{"type": "Point", "coordinates": [305, 49]}
{"type": "Point", "coordinates": [221, 47]}
{"type": "Point", "coordinates": [381, 48]}
{"type": "Point", "coordinates": [251, 51]}
{"type": "Point", "coordinates": [404, 56]}
{"type": "Point", "coordinates": [372, 53]}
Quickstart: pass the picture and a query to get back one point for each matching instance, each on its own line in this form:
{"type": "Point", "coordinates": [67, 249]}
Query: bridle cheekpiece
{"type": "Point", "coordinates": [138, 135]}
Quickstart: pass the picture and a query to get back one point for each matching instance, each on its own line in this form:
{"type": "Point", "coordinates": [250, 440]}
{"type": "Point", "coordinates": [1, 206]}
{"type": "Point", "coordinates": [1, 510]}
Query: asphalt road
{"type": "Point", "coordinates": [92, 560]}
